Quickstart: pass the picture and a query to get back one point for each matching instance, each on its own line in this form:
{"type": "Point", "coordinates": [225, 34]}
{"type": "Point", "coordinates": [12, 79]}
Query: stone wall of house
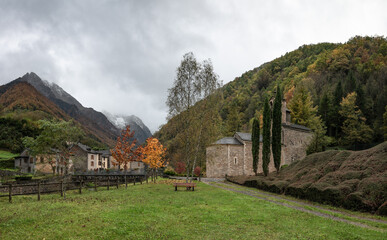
{"type": "Point", "coordinates": [248, 168]}
{"type": "Point", "coordinates": [79, 159]}
{"type": "Point", "coordinates": [216, 161]}
{"type": "Point", "coordinates": [249, 161]}
{"type": "Point", "coordinates": [235, 160]}
{"type": "Point", "coordinates": [294, 145]}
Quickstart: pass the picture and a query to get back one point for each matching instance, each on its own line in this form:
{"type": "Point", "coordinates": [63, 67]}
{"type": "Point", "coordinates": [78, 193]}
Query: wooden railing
{"type": "Point", "coordinates": [85, 181]}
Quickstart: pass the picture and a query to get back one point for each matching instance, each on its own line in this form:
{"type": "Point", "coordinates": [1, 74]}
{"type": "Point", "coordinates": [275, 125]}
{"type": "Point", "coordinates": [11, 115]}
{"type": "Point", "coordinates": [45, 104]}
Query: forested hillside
{"type": "Point", "coordinates": [343, 86]}
{"type": "Point", "coordinates": [21, 106]}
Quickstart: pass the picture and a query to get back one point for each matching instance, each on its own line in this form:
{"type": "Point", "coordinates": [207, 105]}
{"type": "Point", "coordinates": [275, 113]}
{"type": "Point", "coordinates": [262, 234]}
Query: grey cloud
{"type": "Point", "coordinates": [121, 56]}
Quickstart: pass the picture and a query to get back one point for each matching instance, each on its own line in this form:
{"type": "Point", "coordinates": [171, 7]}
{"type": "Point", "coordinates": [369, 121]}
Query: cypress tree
{"type": "Point", "coordinates": [255, 145]}
{"type": "Point", "coordinates": [338, 96]}
{"type": "Point", "coordinates": [276, 130]}
{"type": "Point", "coordinates": [266, 137]}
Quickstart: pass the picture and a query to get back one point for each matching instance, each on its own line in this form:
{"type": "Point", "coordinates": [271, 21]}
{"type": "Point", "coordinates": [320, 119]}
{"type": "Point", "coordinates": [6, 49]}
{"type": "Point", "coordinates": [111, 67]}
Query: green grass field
{"type": "Point", "coordinates": [5, 160]}
{"type": "Point", "coordinates": [5, 155]}
{"type": "Point", "coordinates": [156, 211]}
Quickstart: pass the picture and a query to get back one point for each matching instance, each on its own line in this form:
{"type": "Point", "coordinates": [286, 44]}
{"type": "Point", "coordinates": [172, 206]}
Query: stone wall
{"type": "Point", "coordinates": [294, 145]}
{"type": "Point", "coordinates": [235, 160]}
{"type": "Point", "coordinates": [216, 161]}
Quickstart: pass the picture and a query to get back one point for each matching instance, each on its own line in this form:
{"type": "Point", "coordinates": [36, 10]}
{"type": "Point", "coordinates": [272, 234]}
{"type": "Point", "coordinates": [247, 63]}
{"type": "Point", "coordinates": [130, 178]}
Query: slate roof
{"type": "Point", "coordinates": [228, 140]}
{"type": "Point", "coordinates": [296, 126]}
{"type": "Point", "coordinates": [83, 147]}
{"type": "Point", "coordinates": [244, 136]}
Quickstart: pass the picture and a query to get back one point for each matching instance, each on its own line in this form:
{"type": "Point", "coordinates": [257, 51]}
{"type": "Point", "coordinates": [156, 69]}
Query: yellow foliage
{"type": "Point", "coordinates": [153, 154]}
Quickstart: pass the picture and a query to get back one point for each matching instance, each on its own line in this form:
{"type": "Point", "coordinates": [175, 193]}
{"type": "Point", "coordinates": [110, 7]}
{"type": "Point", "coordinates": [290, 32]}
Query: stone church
{"type": "Point", "coordinates": [232, 156]}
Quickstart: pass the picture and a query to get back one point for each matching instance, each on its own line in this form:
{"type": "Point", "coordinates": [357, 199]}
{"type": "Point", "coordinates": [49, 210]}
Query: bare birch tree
{"type": "Point", "coordinates": [193, 82]}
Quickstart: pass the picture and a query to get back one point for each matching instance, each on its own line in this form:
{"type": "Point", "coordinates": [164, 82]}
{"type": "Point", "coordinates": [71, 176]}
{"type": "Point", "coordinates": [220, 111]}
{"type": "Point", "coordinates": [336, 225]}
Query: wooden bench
{"type": "Point", "coordinates": [186, 185]}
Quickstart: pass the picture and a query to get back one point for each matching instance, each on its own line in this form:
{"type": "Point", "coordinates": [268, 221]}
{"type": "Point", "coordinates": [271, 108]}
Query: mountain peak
{"type": "Point", "coordinates": [31, 76]}
{"type": "Point", "coordinates": [141, 131]}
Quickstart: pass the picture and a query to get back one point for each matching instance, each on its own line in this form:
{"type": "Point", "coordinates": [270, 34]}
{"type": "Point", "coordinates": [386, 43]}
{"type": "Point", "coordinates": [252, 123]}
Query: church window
{"type": "Point", "coordinates": [235, 160]}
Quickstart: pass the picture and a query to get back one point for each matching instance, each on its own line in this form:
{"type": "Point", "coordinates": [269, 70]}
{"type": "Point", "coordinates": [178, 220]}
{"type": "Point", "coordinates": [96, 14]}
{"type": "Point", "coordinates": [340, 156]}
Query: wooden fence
{"type": "Point", "coordinates": [78, 182]}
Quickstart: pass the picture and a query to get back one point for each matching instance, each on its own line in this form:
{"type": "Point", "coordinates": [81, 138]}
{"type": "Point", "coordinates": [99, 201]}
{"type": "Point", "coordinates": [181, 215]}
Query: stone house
{"type": "Point", "coordinates": [82, 159]}
{"type": "Point", "coordinates": [232, 156]}
{"type": "Point", "coordinates": [40, 164]}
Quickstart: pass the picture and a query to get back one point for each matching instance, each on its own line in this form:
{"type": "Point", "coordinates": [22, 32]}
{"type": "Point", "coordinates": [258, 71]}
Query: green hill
{"type": "Point", "coordinates": [359, 65]}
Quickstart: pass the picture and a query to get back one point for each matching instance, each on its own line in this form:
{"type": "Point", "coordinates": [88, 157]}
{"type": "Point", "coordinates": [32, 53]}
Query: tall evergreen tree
{"type": "Point", "coordinates": [255, 145]}
{"type": "Point", "coordinates": [360, 99]}
{"type": "Point", "coordinates": [338, 96]}
{"type": "Point", "coordinates": [276, 129]}
{"type": "Point", "coordinates": [326, 112]}
{"type": "Point", "coordinates": [355, 129]}
{"type": "Point", "coordinates": [266, 137]}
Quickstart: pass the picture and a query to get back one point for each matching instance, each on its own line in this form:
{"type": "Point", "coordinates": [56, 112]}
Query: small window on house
{"type": "Point", "coordinates": [138, 164]}
{"type": "Point", "coordinates": [92, 157]}
{"type": "Point", "coordinates": [25, 160]}
{"type": "Point", "coordinates": [41, 159]}
{"type": "Point", "coordinates": [31, 160]}
{"type": "Point", "coordinates": [29, 169]}
{"type": "Point", "coordinates": [92, 163]}
{"type": "Point", "coordinates": [235, 160]}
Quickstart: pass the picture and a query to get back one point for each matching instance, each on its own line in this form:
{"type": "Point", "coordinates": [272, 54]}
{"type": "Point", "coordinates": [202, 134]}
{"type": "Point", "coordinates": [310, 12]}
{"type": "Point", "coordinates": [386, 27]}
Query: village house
{"type": "Point", "coordinates": [82, 159]}
{"type": "Point", "coordinates": [232, 156]}
{"type": "Point", "coordinates": [42, 163]}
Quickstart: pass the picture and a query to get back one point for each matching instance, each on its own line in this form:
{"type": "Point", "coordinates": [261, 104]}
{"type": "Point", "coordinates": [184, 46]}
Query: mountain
{"type": "Point", "coordinates": [33, 98]}
{"type": "Point", "coordinates": [24, 100]}
{"type": "Point", "coordinates": [324, 69]}
{"type": "Point", "coordinates": [94, 121]}
{"type": "Point", "coordinates": [141, 131]}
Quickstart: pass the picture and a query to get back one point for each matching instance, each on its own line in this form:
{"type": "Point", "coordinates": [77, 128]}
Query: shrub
{"type": "Point", "coordinates": [197, 171]}
{"type": "Point", "coordinates": [170, 172]}
{"type": "Point", "coordinates": [180, 167]}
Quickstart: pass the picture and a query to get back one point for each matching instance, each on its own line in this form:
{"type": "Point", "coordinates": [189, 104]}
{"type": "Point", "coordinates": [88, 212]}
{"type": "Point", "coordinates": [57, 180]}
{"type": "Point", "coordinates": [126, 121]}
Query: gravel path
{"type": "Point", "coordinates": [263, 196]}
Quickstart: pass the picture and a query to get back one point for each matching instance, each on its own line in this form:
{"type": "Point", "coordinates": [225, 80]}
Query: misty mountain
{"type": "Point", "coordinates": [141, 131]}
{"type": "Point", "coordinates": [93, 120]}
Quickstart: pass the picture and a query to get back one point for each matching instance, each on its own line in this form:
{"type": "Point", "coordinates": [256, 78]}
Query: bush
{"type": "Point", "coordinates": [197, 171]}
{"type": "Point", "coordinates": [180, 168]}
{"type": "Point", "coordinates": [170, 172]}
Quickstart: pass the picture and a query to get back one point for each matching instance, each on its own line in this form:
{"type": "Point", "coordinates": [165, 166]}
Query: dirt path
{"type": "Point", "coordinates": [263, 196]}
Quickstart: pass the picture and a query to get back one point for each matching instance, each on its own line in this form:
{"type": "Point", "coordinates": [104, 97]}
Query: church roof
{"type": "Point", "coordinates": [244, 136]}
{"type": "Point", "coordinates": [297, 127]}
{"type": "Point", "coordinates": [228, 140]}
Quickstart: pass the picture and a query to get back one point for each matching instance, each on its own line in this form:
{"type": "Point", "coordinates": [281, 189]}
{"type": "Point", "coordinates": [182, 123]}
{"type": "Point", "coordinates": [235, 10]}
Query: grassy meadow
{"type": "Point", "coordinates": [156, 211]}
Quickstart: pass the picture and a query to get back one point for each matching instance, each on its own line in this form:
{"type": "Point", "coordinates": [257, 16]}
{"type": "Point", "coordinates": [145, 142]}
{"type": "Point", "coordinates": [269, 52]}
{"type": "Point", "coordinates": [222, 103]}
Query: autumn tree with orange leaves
{"type": "Point", "coordinates": [125, 150]}
{"type": "Point", "coordinates": [153, 154]}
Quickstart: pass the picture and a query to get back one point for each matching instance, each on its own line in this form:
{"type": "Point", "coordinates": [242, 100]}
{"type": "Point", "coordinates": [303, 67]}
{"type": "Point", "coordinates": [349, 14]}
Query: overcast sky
{"type": "Point", "coordinates": [121, 55]}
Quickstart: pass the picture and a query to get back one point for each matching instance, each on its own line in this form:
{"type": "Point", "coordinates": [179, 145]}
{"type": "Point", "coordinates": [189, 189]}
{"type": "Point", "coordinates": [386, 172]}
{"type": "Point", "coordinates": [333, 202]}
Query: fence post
{"type": "Point", "coordinates": [10, 192]}
{"type": "Point", "coordinates": [118, 178]}
{"type": "Point", "coordinates": [95, 183]}
{"type": "Point", "coordinates": [64, 190]}
{"type": "Point", "coordinates": [61, 188]}
{"type": "Point", "coordinates": [39, 190]}
{"type": "Point", "coordinates": [134, 180]}
{"type": "Point", "coordinates": [80, 186]}
{"type": "Point", "coordinates": [126, 182]}
{"type": "Point", "coordinates": [141, 180]}
{"type": "Point", "coordinates": [108, 184]}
